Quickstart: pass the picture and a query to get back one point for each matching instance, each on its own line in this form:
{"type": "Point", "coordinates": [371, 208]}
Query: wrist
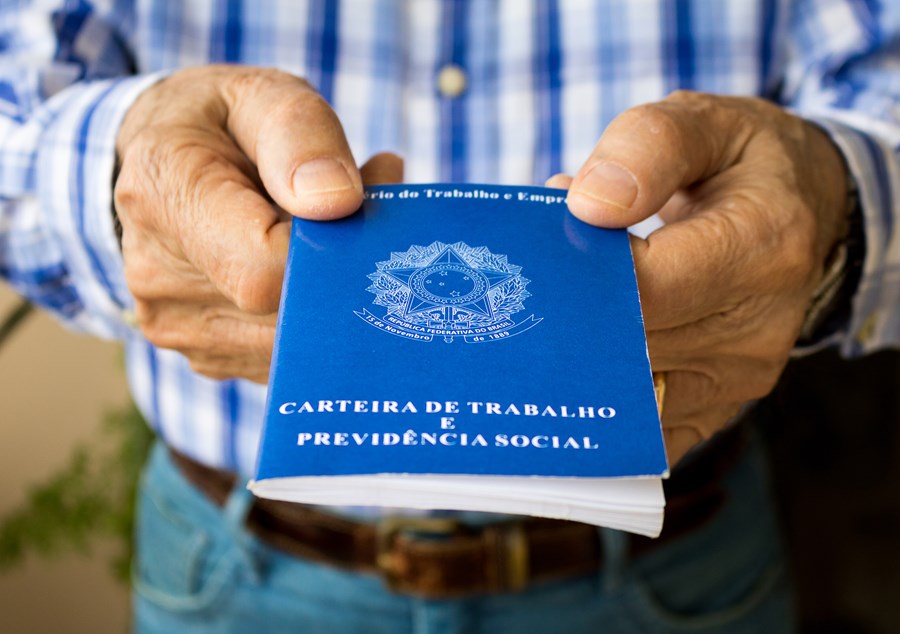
{"type": "Point", "coordinates": [830, 307]}
{"type": "Point", "coordinates": [836, 197]}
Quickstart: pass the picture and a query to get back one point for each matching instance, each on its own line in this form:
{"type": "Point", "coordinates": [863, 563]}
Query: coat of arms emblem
{"type": "Point", "coordinates": [449, 291]}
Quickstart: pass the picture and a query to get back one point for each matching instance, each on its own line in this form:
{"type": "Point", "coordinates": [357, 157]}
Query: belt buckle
{"type": "Point", "coordinates": [387, 530]}
{"type": "Point", "coordinates": [507, 541]}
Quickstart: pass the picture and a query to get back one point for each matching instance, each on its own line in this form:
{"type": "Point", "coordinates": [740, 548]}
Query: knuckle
{"type": "Point", "coordinates": [777, 343]}
{"type": "Point", "coordinates": [761, 383]}
{"type": "Point", "coordinates": [290, 106]}
{"type": "Point", "coordinates": [151, 324]}
{"type": "Point", "coordinates": [686, 94]}
{"type": "Point", "coordinates": [126, 193]}
{"type": "Point", "coordinates": [159, 329]}
{"type": "Point", "coordinates": [138, 179]}
{"type": "Point", "coordinates": [245, 81]}
{"type": "Point", "coordinates": [661, 121]}
{"type": "Point", "coordinates": [202, 367]}
{"type": "Point", "coordinates": [252, 288]}
{"type": "Point", "coordinates": [141, 272]}
{"type": "Point", "coordinates": [252, 293]}
{"type": "Point", "coordinates": [211, 366]}
{"type": "Point", "coordinates": [689, 100]}
{"type": "Point", "coordinates": [763, 369]}
{"type": "Point", "coordinates": [253, 80]}
{"type": "Point", "coordinates": [800, 244]}
{"type": "Point", "coordinates": [796, 268]}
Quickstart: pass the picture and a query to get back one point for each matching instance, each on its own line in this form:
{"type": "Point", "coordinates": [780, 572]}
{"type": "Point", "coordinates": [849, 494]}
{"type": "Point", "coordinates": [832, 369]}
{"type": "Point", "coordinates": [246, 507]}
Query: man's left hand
{"type": "Point", "coordinates": [754, 198]}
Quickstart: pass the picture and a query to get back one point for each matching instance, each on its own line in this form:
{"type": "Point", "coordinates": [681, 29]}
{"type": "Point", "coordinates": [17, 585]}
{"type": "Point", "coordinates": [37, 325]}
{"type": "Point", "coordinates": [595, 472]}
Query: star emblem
{"type": "Point", "coordinates": [460, 287]}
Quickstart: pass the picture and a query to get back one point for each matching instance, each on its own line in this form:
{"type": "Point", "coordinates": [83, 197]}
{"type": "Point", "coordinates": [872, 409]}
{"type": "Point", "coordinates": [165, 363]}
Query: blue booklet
{"type": "Point", "coordinates": [469, 347]}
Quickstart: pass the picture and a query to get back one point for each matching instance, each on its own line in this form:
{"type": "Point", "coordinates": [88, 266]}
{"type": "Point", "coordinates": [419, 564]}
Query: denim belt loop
{"type": "Point", "coordinates": [235, 515]}
{"type": "Point", "coordinates": [615, 558]}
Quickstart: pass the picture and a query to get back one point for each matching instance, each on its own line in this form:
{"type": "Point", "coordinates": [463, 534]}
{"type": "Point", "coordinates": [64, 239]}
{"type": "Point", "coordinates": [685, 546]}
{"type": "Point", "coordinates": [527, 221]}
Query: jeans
{"type": "Point", "coordinates": [199, 571]}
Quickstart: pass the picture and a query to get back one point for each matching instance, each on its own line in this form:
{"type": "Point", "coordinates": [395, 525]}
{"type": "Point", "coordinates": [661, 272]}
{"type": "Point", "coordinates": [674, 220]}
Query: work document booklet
{"type": "Point", "coordinates": [465, 347]}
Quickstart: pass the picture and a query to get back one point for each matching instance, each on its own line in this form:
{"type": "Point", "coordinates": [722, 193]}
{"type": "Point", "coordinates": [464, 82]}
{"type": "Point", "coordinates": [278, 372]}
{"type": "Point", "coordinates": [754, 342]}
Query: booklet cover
{"type": "Point", "coordinates": [467, 347]}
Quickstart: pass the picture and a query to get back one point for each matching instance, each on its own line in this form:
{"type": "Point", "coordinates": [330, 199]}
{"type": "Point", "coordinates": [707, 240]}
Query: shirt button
{"type": "Point", "coordinates": [451, 81]}
{"type": "Point", "coordinates": [867, 331]}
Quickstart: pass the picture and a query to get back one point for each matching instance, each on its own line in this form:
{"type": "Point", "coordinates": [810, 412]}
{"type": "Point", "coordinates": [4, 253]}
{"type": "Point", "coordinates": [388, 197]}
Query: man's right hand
{"type": "Point", "coordinates": [214, 162]}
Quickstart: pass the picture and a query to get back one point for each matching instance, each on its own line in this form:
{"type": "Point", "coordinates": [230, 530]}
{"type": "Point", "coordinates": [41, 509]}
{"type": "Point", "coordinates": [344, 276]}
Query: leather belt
{"type": "Point", "coordinates": [439, 557]}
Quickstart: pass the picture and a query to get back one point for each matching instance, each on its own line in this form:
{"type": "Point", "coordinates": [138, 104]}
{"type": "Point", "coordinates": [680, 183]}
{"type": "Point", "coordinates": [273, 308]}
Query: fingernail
{"type": "Point", "coordinates": [320, 176]}
{"type": "Point", "coordinates": [609, 183]}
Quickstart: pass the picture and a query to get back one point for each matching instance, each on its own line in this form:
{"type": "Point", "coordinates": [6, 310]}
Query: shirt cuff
{"type": "Point", "coordinates": [74, 170]}
{"type": "Point", "coordinates": [875, 317]}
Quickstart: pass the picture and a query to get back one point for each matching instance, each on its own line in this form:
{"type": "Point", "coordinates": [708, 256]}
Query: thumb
{"type": "Point", "coordinates": [297, 143]}
{"type": "Point", "coordinates": [650, 152]}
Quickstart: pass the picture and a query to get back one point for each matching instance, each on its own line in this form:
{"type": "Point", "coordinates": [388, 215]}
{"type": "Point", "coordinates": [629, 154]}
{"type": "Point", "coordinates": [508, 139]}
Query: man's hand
{"type": "Point", "coordinates": [753, 199]}
{"type": "Point", "coordinates": [214, 162]}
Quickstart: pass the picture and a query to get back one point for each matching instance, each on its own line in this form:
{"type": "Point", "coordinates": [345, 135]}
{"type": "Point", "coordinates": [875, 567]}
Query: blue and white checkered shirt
{"type": "Point", "coordinates": [542, 80]}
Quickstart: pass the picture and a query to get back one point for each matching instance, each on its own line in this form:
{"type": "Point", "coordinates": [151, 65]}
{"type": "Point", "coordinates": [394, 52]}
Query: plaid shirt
{"type": "Point", "coordinates": [543, 78]}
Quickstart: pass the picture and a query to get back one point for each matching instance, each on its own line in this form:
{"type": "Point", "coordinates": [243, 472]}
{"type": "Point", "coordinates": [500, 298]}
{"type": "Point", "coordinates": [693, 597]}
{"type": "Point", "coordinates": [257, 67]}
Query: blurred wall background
{"type": "Point", "coordinates": [55, 387]}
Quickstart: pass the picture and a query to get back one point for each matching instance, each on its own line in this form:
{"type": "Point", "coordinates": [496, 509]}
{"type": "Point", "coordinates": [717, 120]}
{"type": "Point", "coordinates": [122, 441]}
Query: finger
{"type": "Point", "coordinates": [743, 333]}
{"type": "Point", "coordinates": [233, 236]}
{"type": "Point", "coordinates": [683, 434]}
{"type": "Point", "coordinates": [199, 209]}
{"type": "Point", "coordinates": [385, 168]}
{"type": "Point", "coordinates": [217, 329]}
{"type": "Point", "coordinates": [220, 367]}
{"type": "Point", "coordinates": [679, 441]}
{"type": "Point", "coordinates": [649, 152]}
{"type": "Point", "coordinates": [296, 141]}
{"type": "Point", "coordinates": [246, 263]}
{"type": "Point", "coordinates": [559, 181]}
{"type": "Point", "coordinates": [155, 272]}
{"type": "Point", "coordinates": [682, 276]}
{"type": "Point", "coordinates": [720, 386]}
{"type": "Point", "coordinates": [701, 266]}
{"type": "Point", "coordinates": [703, 425]}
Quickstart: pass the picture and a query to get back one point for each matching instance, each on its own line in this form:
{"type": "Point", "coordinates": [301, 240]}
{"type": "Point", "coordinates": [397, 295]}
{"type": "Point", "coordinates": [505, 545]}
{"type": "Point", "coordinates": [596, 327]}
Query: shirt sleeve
{"type": "Point", "coordinates": [842, 73]}
{"type": "Point", "coordinates": [66, 82]}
